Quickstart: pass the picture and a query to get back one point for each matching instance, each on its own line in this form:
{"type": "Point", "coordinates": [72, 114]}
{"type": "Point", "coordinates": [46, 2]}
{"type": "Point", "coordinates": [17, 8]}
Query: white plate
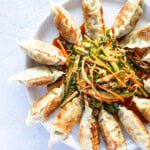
{"type": "Point", "coordinates": [47, 32]}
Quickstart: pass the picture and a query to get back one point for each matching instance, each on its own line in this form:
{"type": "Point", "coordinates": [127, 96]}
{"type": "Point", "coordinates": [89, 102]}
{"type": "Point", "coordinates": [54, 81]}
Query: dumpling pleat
{"type": "Point", "coordinates": [65, 24]}
{"type": "Point", "coordinates": [93, 18]}
{"type": "Point", "coordinates": [134, 127]}
{"type": "Point", "coordinates": [143, 106]}
{"type": "Point", "coordinates": [147, 85]}
{"type": "Point", "coordinates": [137, 39]}
{"type": "Point", "coordinates": [65, 121]}
{"type": "Point", "coordinates": [42, 52]}
{"type": "Point", "coordinates": [127, 17]}
{"type": "Point", "coordinates": [111, 131]}
{"type": "Point", "coordinates": [45, 105]}
{"type": "Point", "coordinates": [89, 137]}
{"type": "Point", "coordinates": [37, 76]}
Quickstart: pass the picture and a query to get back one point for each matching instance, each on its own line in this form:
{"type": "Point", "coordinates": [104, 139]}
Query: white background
{"type": "Point", "coordinates": [15, 17]}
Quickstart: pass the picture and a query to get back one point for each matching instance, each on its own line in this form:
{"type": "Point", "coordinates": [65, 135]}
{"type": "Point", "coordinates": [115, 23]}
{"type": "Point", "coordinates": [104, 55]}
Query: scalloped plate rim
{"type": "Point", "coordinates": [36, 35]}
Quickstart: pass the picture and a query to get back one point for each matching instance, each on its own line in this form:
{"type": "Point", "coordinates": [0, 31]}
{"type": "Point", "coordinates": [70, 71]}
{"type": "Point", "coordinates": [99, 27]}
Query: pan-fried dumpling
{"type": "Point", "coordinates": [58, 83]}
{"type": "Point", "coordinates": [128, 17]}
{"type": "Point", "coordinates": [147, 85]}
{"type": "Point", "coordinates": [66, 25]}
{"type": "Point", "coordinates": [42, 52]}
{"type": "Point", "coordinates": [143, 106]}
{"type": "Point", "coordinates": [37, 76]}
{"type": "Point", "coordinates": [134, 127]}
{"type": "Point", "coordinates": [65, 121]}
{"type": "Point", "coordinates": [89, 136]}
{"type": "Point", "coordinates": [146, 56]}
{"type": "Point", "coordinates": [137, 39]}
{"type": "Point", "coordinates": [93, 18]}
{"type": "Point", "coordinates": [111, 131]}
{"type": "Point", "coordinates": [45, 105]}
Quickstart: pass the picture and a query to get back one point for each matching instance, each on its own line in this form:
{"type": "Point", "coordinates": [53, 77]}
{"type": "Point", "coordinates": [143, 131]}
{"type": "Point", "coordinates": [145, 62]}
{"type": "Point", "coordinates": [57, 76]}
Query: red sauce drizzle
{"type": "Point", "coordinates": [132, 106]}
{"type": "Point", "coordinates": [148, 77]}
{"type": "Point", "coordinates": [127, 103]}
{"type": "Point", "coordinates": [82, 29]}
{"type": "Point", "coordinates": [140, 72]}
{"type": "Point", "coordinates": [140, 52]}
{"type": "Point", "coordinates": [116, 116]}
{"type": "Point", "coordinates": [55, 41]}
{"type": "Point", "coordinates": [63, 67]}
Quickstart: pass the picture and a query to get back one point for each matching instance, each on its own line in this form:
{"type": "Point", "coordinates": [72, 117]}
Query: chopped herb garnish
{"type": "Point", "coordinates": [108, 32]}
{"type": "Point", "coordinates": [89, 77]}
{"type": "Point", "coordinates": [112, 108]}
{"type": "Point", "coordinates": [64, 42]}
{"type": "Point", "coordinates": [96, 104]}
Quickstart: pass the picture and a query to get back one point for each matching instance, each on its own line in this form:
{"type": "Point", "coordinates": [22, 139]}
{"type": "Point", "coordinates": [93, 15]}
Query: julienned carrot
{"type": "Point", "coordinates": [136, 81]}
{"type": "Point", "coordinates": [129, 87]}
{"type": "Point", "coordinates": [91, 72]}
{"type": "Point", "coordinates": [80, 83]}
{"type": "Point", "coordinates": [90, 40]}
{"type": "Point", "coordinates": [78, 52]}
{"type": "Point", "coordinates": [63, 50]}
{"type": "Point", "coordinates": [63, 80]}
{"type": "Point", "coordinates": [108, 100]}
{"type": "Point", "coordinates": [106, 67]}
{"type": "Point", "coordinates": [101, 99]}
{"type": "Point", "coordinates": [115, 94]}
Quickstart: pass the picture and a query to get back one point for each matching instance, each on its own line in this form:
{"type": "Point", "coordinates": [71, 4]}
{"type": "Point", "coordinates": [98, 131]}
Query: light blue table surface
{"type": "Point", "coordinates": [15, 17]}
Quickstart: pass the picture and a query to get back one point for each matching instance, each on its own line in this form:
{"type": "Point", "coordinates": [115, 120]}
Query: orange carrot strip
{"type": "Point", "coordinates": [101, 99]}
{"type": "Point", "coordinates": [91, 41]}
{"type": "Point", "coordinates": [63, 50]}
{"type": "Point", "coordinates": [80, 83]}
{"type": "Point", "coordinates": [128, 87]}
{"type": "Point", "coordinates": [115, 94]}
{"type": "Point", "coordinates": [136, 81]}
{"type": "Point", "coordinates": [108, 100]}
{"type": "Point", "coordinates": [106, 67]}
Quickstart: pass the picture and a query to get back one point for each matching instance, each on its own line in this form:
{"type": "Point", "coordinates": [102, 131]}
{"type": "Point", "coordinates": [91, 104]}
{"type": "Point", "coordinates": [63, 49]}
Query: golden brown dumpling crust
{"type": "Point", "coordinates": [138, 39]}
{"type": "Point", "coordinates": [65, 121]}
{"type": "Point", "coordinates": [147, 83]}
{"type": "Point", "coordinates": [45, 105]}
{"type": "Point", "coordinates": [128, 17]}
{"type": "Point", "coordinates": [93, 18]}
{"type": "Point", "coordinates": [69, 116]}
{"type": "Point", "coordinates": [145, 32]}
{"type": "Point", "coordinates": [37, 76]}
{"type": "Point", "coordinates": [111, 131]}
{"type": "Point", "coordinates": [134, 127]}
{"type": "Point", "coordinates": [66, 25]}
{"type": "Point", "coordinates": [44, 53]}
{"type": "Point", "coordinates": [89, 136]}
{"type": "Point", "coordinates": [143, 106]}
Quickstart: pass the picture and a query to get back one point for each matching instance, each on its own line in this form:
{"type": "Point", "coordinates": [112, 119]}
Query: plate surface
{"type": "Point", "coordinates": [47, 32]}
